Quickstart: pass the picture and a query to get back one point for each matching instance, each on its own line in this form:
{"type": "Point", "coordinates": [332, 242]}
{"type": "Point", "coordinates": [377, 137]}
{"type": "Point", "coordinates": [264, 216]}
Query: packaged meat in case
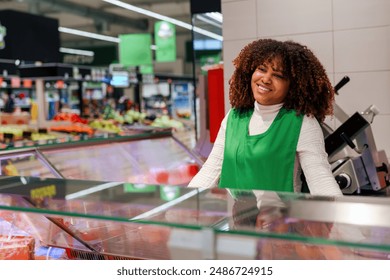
{"type": "Point", "coordinates": [16, 247]}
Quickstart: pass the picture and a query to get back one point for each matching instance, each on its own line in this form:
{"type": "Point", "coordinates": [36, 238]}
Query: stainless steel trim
{"type": "Point", "coordinates": [355, 213]}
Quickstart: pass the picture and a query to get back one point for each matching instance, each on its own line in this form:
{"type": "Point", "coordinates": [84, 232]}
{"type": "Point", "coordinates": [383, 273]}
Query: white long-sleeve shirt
{"type": "Point", "coordinates": [310, 155]}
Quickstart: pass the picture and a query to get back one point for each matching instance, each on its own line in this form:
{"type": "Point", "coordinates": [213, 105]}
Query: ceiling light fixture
{"type": "Point", "coordinates": [165, 18]}
{"type": "Point", "coordinates": [77, 52]}
{"type": "Point", "coordinates": [215, 16]}
{"type": "Point", "coordinates": [209, 21]}
{"type": "Point", "coordinates": [93, 36]}
{"type": "Point", "coordinates": [88, 34]}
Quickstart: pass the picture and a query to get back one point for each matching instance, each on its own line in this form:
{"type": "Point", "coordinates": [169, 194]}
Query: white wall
{"type": "Point", "coordinates": [350, 37]}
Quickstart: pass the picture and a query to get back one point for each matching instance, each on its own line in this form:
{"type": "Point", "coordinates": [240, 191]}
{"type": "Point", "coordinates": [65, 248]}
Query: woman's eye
{"type": "Point", "coordinates": [279, 76]}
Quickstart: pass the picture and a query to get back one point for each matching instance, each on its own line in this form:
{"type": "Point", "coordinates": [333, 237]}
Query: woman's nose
{"type": "Point", "coordinates": [266, 79]}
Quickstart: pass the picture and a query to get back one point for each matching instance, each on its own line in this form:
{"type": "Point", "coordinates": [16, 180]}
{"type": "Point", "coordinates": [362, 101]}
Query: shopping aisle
{"type": "Point", "coordinates": [186, 135]}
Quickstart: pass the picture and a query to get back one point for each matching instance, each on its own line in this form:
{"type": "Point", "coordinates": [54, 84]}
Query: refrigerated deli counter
{"type": "Point", "coordinates": [144, 155]}
{"type": "Point", "coordinates": [81, 219]}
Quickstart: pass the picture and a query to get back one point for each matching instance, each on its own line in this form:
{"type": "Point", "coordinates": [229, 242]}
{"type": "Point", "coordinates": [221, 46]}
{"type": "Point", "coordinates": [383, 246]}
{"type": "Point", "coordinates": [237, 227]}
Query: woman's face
{"type": "Point", "coordinates": [269, 84]}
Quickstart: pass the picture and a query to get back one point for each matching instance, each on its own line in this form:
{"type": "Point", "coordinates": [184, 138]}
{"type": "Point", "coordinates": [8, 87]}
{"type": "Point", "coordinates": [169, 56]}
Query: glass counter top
{"type": "Point", "coordinates": [170, 222]}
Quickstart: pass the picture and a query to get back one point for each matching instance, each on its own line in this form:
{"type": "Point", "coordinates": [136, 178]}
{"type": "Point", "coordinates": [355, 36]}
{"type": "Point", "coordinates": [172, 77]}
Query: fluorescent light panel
{"type": "Point", "coordinates": [164, 18]}
{"type": "Point", "coordinates": [209, 21]}
{"type": "Point", "coordinates": [215, 16]}
{"type": "Point", "coordinates": [88, 34]}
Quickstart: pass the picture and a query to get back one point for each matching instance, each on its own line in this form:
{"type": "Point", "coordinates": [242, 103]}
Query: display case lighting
{"type": "Point", "coordinates": [10, 61]}
{"type": "Point", "coordinates": [92, 190]}
{"type": "Point", "coordinates": [164, 207]}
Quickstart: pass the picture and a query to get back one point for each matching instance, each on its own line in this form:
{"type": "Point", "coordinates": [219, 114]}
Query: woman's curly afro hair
{"type": "Point", "coordinates": [310, 91]}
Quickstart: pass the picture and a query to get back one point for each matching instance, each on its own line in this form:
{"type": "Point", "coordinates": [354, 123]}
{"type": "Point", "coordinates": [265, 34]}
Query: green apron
{"type": "Point", "coordinates": [264, 161]}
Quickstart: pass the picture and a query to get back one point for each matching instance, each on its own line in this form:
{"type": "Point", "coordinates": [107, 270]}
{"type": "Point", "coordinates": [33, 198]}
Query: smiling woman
{"type": "Point", "coordinates": [279, 93]}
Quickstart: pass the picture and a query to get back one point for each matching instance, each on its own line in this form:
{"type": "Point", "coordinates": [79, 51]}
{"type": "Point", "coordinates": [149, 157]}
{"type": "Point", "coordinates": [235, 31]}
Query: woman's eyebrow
{"type": "Point", "coordinates": [277, 69]}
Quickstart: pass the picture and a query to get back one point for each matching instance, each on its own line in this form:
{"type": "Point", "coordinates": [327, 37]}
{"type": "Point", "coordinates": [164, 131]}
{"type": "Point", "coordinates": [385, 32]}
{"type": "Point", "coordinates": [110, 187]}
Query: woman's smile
{"type": "Point", "coordinates": [263, 89]}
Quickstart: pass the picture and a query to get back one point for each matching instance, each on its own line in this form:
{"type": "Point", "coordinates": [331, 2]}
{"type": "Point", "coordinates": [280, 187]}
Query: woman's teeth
{"type": "Point", "coordinates": [263, 88]}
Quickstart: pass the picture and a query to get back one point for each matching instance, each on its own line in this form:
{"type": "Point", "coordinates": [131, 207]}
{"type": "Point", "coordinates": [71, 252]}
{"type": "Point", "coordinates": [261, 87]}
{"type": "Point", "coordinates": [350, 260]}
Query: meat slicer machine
{"type": "Point", "coordinates": [357, 165]}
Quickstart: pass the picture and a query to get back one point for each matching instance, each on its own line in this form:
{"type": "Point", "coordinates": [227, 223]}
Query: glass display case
{"type": "Point", "coordinates": [145, 155]}
{"type": "Point", "coordinates": [115, 220]}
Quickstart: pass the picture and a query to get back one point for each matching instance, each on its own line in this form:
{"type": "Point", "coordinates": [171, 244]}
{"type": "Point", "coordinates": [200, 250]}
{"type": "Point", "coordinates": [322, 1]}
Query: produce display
{"type": "Point", "coordinates": [106, 125]}
{"type": "Point", "coordinates": [72, 117]}
{"type": "Point", "coordinates": [15, 130]}
{"type": "Point", "coordinates": [13, 134]}
{"type": "Point", "coordinates": [165, 121]}
{"type": "Point", "coordinates": [128, 117]}
{"type": "Point", "coordinates": [36, 136]}
{"type": "Point", "coordinates": [73, 128]}
{"type": "Point", "coordinates": [71, 125]}
{"type": "Point", "coordinates": [132, 116]}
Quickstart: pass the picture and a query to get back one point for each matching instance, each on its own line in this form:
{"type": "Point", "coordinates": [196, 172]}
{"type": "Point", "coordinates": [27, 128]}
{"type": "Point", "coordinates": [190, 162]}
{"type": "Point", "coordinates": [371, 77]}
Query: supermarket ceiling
{"type": "Point", "coordinates": [102, 17]}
